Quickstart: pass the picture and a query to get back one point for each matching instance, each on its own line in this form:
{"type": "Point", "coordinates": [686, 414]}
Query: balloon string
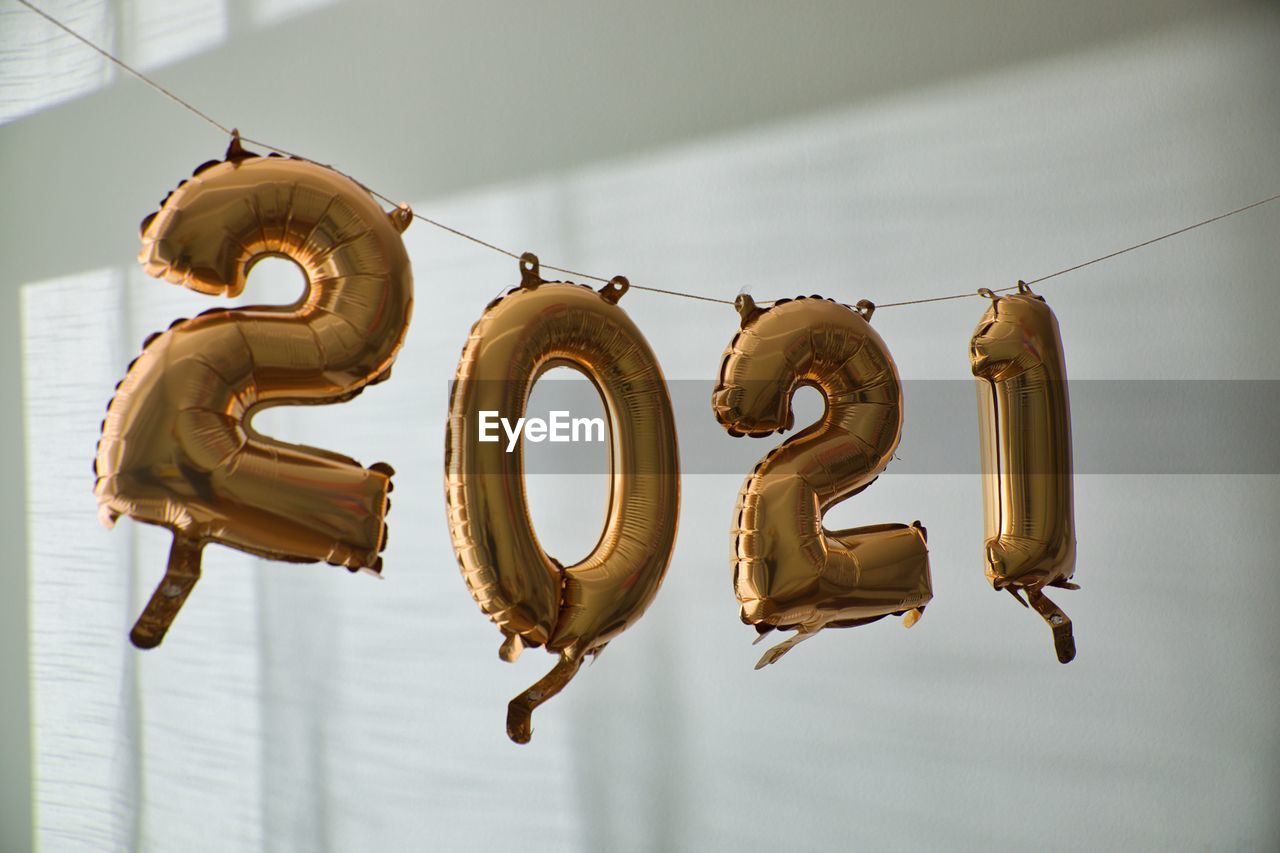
{"type": "Point", "coordinates": [135, 72]}
{"type": "Point", "coordinates": [235, 134]}
{"type": "Point", "coordinates": [464, 235]}
{"type": "Point", "coordinates": [1106, 257]}
{"type": "Point", "coordinates": [1182, 230]}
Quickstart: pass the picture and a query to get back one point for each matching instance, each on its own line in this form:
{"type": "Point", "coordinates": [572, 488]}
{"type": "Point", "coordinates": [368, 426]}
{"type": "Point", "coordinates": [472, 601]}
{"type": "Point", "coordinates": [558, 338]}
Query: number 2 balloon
{"type": "Point", "coordinates": [177, 448]}
{"type": "Point", "coordinates": [789, 571]}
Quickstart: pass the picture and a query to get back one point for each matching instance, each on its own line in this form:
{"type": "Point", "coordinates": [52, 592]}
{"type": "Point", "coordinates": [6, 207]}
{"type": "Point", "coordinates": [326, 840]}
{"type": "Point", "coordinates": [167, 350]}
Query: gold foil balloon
{"type": "Point", "coordinates": [177, 447]}
{"type": "Point", "coordinates": [535, 600]}
{"type": "Point", "coordinates": [1025, 434]}
{"type": "Point", "coordinates": [789, 571]}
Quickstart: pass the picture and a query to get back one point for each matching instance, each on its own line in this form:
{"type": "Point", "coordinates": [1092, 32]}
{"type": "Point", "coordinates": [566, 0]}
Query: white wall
{"type": "Point", "coordinates": [298, 708]}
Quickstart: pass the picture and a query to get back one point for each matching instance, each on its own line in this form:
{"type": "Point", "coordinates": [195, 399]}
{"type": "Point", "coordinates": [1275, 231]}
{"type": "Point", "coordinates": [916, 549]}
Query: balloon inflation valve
{"type": "Point", "coordinates": [171, 593]}
{"type": "Point", "coordinates": [1064, 641]}
{"type": "Point", "coordinates": [520, 709]}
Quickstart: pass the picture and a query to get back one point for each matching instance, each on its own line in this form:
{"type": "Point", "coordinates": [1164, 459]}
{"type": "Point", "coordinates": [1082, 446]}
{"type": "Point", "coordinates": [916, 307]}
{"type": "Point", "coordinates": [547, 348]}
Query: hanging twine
{"type": "Point", "coordinates": [235, 135]}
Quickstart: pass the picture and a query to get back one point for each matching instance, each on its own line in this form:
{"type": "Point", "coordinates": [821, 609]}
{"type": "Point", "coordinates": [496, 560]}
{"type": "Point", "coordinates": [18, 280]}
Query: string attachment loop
{"type": "Point", "coordinates": [530, 271]}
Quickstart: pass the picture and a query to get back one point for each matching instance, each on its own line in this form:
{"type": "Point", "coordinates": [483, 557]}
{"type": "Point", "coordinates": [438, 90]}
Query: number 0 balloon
{"type": "Point", "coordinates": [177, 448]}
{"type": "Point", "coordinates": [1025, 433]}
{"type": "Point", "coordinates": [535, 600]}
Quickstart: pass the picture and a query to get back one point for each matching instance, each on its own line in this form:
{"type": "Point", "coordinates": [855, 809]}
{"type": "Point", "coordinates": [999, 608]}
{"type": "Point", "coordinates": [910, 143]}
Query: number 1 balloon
{"type": "Point", "coordinates": [1025, 434]}
{"type": "Point", "coordinates": [177, 448]}
{"type": "Point", "coordinates": [535, 600]}
{"type": "Point", "coordinates": [789, 571]}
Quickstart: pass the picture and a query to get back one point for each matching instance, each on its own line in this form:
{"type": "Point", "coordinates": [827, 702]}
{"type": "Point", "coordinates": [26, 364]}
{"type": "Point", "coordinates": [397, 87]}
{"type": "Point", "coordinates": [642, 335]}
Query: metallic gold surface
{"type": "Point", "coordinates": [177, 447]}
{"type": "Point", "coordinates": [789, 571]}
{"type": "Point", "coordinates": [1025, 428]}
{"type": "Point", "coordinates": [534, 600]}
